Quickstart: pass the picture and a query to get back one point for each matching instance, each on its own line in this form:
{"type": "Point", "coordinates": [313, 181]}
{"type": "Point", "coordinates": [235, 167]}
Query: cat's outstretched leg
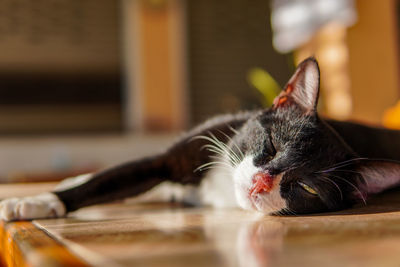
{"type": "Point", "coordinates": [44, 205]}
{"type": "Point", "coordinates": [176, 165]}
{"type": "Point", "coordinates": [119, 182]}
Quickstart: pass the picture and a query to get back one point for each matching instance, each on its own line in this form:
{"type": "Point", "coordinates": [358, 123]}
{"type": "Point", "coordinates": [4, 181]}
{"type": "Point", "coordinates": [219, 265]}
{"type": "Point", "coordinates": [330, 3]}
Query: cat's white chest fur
{"type": "Point", "coordinates": [217, 188]}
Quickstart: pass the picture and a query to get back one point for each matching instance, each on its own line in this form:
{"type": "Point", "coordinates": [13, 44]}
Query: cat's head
{"type": "Point", "coordinates": [293, 161]}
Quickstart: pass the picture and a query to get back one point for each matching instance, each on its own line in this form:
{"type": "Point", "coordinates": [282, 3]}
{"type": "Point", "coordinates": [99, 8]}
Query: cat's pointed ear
{"type": "Point", "coordinates": [377, 176]}
{"type": "Point", "coordinates": [302, 88]}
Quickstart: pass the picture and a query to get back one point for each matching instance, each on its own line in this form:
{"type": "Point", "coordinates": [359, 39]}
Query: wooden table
{"type": "Point", "coordinates": [170, 235]}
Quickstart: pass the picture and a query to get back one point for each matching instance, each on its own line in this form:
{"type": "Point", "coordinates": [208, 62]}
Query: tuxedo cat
{"type": "Point", "coordinates": [284, 159]}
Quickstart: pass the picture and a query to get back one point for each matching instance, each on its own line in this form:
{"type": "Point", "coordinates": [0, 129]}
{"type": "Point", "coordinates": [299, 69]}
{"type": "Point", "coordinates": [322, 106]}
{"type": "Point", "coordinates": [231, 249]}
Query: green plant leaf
{"type": "Point", "coordinates": [265, 84]}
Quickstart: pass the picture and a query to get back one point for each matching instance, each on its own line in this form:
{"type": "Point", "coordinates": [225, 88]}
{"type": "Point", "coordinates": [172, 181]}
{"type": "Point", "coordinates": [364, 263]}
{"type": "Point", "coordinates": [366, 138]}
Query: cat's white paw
{"type": "Point", "coordinates": [46, 205]}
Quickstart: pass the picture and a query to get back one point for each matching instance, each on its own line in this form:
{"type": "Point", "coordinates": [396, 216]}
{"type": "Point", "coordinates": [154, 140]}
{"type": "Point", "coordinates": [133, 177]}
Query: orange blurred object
{"type": "Point", "coordinates": [391, 117]}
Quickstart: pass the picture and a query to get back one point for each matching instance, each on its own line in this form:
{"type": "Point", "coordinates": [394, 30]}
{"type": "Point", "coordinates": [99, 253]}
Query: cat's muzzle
{"type": "Point", "coordinates": [262, 182]}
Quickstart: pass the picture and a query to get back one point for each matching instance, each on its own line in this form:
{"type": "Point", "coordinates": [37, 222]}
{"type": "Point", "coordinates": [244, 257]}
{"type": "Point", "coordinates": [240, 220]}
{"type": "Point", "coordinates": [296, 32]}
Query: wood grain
{"type": "Point", "coordinates": [23, 244]}
{"type": "Point", "coordinates": [159, 234]}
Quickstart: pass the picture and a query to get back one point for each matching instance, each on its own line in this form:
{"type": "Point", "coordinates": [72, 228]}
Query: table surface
{"type": "Point", "coordinates": [122, 234]}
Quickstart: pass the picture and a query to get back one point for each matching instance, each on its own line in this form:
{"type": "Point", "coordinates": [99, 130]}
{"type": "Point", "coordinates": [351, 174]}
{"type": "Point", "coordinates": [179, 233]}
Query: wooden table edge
{"type": "Point", "coordinates": [24, 244]}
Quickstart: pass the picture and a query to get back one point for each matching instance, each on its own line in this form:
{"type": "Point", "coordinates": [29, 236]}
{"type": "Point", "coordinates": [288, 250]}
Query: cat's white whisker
{"type": "Point", "coordinates": [354, 186]}
{"type": "Point", "coordinates": [356, 172]}
{"type": "Point", "coordinates": [233, 130]}
{"type": "Point", "coordinates": [228, 149]}
{"type": "Point", "coordinates": [220, 152]}
{"type": "Point", "coordinates": [214, 149]}
{"type": "Point", "coordinates": [211, 164]}
{"type": "Point", "coordinates": [290, 211]}
{"type": "Point", "coordinates": [219, 147]}
{"type": "Point", "coordinates": [234, 143]}
{"type": "Point", "coordinates": [341, 164]}
{"type": "Point", "coordinates": [335, 184]}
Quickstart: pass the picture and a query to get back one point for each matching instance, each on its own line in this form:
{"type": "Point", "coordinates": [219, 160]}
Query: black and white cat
{"type": "Point", "coordinates": [284, 159]}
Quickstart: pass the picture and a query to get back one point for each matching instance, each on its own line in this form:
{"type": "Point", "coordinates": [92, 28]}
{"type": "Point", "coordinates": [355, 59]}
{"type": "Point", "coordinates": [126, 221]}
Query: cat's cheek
{"type": "Point", "coordinates": [271, 202]}
{"type": "Point", "coordinates": [243, 182]}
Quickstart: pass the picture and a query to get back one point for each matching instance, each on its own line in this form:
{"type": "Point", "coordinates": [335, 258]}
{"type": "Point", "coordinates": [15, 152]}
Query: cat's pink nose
{"type": "Point", "coordinates": [262, 182]}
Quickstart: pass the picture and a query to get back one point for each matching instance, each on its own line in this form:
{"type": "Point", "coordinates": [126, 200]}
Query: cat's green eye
{"type": "Point", "coordinates": [308, 188]}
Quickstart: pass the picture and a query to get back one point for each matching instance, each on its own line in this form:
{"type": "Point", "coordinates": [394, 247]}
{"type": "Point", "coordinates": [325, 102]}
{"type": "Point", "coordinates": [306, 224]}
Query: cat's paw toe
{"type": "Point", "coordinates": [7, 208]}
{"type": "Point", "coordinates": [45, 205]}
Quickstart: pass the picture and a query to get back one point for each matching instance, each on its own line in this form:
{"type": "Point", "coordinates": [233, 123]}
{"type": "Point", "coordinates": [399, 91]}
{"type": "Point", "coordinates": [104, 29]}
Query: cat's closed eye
{"type": "Point", "coordinates": [308, 188]}
{"type": "Point", "coordinates": [263, 159]}
{"type": "Point", "coordinates": [272, 147]}
{"type": "Point", "coordinates": [268, 153]}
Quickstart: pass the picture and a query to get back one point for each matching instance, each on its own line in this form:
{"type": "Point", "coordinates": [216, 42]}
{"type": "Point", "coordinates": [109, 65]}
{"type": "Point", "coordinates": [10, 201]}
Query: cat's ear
{"type": "Point", "coordinates": [377, 175]}
{"type": "Point", "coordinates": [302, 88]}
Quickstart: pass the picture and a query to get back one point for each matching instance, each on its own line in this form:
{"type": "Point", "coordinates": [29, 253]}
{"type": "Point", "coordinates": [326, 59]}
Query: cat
{"type": "Point", "coordinates": [285, 159]}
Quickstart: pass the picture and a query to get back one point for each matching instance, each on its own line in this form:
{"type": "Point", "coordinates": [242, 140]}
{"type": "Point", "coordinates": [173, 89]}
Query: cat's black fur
{"type": "Point", "coordinates": [343, 162]}
{"type": "Point", "coordinates": [176, 164]}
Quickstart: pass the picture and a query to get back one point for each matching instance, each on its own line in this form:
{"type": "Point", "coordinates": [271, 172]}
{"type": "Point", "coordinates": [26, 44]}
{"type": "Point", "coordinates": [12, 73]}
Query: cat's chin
{"type": "Point", "coordinates": [268, 203]}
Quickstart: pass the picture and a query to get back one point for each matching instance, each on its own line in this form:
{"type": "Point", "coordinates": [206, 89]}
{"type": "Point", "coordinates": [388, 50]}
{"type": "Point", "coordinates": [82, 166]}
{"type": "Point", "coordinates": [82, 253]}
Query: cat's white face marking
{"type": "Point", "coordinates": [263, 202]}
{"type": "Point", "coordinates": [217, 187]}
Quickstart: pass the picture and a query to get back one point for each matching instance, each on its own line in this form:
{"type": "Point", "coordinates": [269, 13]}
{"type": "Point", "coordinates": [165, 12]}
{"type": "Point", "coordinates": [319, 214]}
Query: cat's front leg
{"type": "Point", "coordinates": [126, 180]}
{"type": "Point", "coordinates": [45, 205]}
{"type": "Point", "coordinates": [177, 165]}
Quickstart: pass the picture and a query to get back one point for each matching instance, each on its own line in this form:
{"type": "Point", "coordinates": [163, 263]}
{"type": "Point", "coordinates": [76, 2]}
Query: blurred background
{"type": "Point", "coordinates": [86, 84]}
